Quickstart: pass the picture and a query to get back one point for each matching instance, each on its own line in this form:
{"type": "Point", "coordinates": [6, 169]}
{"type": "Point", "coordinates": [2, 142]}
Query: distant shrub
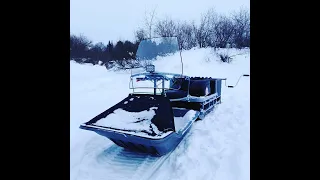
{"type": "Point", "coordinates": [224, 57]}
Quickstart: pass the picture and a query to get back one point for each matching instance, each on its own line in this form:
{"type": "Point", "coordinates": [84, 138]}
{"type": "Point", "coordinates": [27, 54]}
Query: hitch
{"type": "Point", "coordinates": [237, 81]}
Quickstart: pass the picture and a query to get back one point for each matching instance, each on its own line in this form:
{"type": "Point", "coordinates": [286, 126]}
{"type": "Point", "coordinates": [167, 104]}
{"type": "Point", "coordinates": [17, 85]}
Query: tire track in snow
{"type": "Point", "coordinates": [115, 162]}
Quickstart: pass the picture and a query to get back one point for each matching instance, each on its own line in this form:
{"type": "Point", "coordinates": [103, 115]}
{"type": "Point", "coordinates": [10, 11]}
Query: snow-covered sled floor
{"type": "Point", "coordinates": [217, 147]}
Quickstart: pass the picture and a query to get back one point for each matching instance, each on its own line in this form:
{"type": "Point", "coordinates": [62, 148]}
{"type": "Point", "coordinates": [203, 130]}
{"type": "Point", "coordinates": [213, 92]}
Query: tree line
{"type": "Point", "coordinates": [214, 30]}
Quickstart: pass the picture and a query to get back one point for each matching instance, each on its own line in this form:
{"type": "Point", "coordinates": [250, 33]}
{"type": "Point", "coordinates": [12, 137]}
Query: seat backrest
{"type": "Point", "coordinates": [185, 85]}
{"type": "Point", "coordinates": [199, 87]}
{"type": "Point", "coordinates": [180, 84]}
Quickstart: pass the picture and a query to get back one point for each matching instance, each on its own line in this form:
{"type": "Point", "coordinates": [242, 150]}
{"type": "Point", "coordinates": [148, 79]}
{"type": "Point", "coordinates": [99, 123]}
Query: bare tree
{"type": "Point", "coordinates": [96, 53]}
{"type": "Point", "coordinates": [79, 47]}
{"type": "Point", "coordinates": [186, 35]}
{"type": "Point", "coordinates": [149, 21]}
{"type": "Point", "coordinates": [204, 32]}
{"type": "Point", "coordinates": [166, 28]}
{"type": "Point", "coordinates": [223, 32]}
{"type": "Point", "coordinates": [241, 22]}
{"type": "Point", "coordinates": [183, 31]}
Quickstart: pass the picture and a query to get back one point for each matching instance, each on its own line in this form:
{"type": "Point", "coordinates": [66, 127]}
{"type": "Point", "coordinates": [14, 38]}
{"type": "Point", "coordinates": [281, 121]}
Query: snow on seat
{"type": "Point", "coordinates": [132, 121]}
{"type": "Point", "coordinates": [182, 117]}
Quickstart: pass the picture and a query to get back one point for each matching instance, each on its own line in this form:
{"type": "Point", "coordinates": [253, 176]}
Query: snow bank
{"type": "Point", "coordinates": [204, 62]}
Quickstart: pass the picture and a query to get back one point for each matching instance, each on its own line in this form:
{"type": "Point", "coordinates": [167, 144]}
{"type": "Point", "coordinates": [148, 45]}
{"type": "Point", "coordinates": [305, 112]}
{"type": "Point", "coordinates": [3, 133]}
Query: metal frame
{"type": "Point", "coordinates": [155, 76]}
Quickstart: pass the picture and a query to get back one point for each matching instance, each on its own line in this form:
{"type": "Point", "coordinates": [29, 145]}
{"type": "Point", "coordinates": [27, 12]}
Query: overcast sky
{"type": "Point", "coordinates": [104, 20]}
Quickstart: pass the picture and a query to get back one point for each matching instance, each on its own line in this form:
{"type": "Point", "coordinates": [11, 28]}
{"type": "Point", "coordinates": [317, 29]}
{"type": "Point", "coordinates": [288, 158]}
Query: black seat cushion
{"type": "Point", "coordinates": [176, 94]}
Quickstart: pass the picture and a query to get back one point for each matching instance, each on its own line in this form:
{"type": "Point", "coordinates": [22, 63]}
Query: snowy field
{"type": "Point", "coordinates": [216, 148]}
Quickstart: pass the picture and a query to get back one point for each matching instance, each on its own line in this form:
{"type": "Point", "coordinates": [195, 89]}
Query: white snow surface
{"type": "Point", "coordinates": [136, 121]}
{"type": "Point", "coordinates": [217, 147]}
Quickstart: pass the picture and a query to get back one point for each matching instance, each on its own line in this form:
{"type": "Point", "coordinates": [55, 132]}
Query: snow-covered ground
{"type": "Point", "coordinates": [217, 147]}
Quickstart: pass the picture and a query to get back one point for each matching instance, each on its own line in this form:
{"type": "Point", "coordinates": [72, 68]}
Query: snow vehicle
{"type": "Point", "coordinates": [158, 118]}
